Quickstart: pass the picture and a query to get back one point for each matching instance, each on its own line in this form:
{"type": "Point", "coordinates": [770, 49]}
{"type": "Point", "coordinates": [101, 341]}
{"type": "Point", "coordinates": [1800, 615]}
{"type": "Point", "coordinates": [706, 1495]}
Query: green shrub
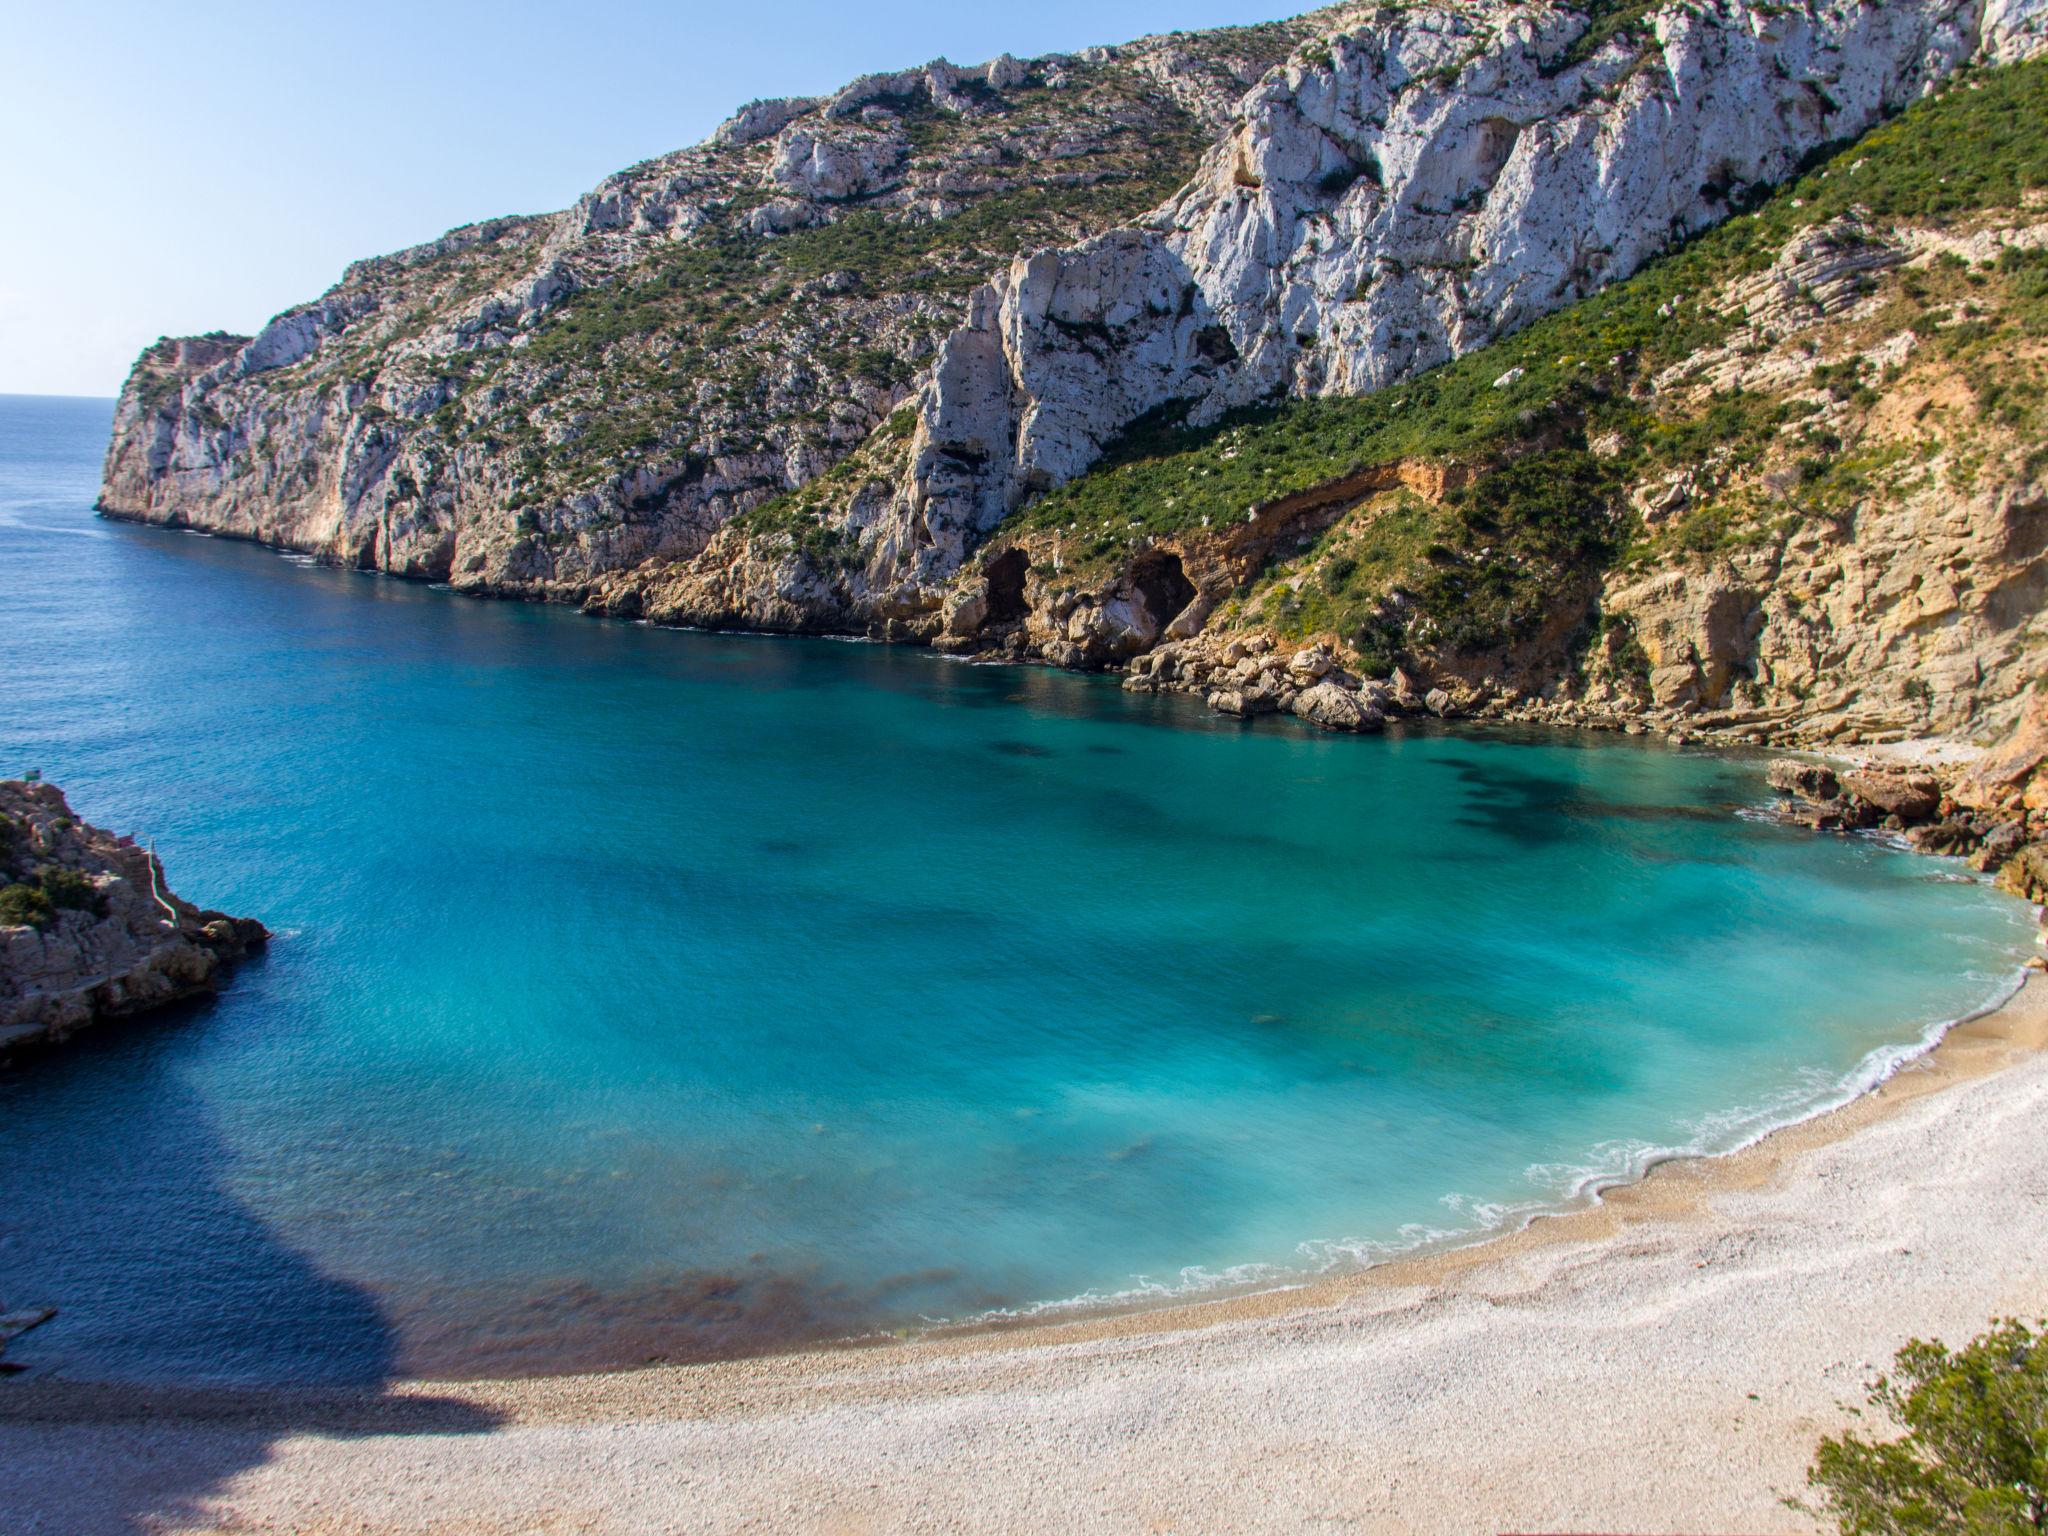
{"type": "Point", "coordinates": [24, 905]}
{"type": "Point", "coordinates": [1973, 1460]}
{"type": "Point", "coordinates": [69, 889]}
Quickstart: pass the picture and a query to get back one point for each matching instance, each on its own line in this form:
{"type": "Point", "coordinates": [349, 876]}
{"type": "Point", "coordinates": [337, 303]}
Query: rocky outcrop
{"type": "Point", "coordinates": [822, 372]}
{"type": "Point", "coordinates": [1251, 675]}
{"type": "Point", "coordinates": [1867, 796]}
{"type": "Point", "coordinates": [570, 407]}
{"type": "Point", "coordinates": [1404, 193]}
{"type": "Point", "coordinates": [88, 928]}
{"type": "Point", "coordinates": [1923, 804]}
{"type": "Point", "coordinates": [2009, 778]}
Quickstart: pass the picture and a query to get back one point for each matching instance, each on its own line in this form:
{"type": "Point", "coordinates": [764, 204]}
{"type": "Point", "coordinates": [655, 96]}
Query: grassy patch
{"type": "Point", "coordinates": [24, 906]}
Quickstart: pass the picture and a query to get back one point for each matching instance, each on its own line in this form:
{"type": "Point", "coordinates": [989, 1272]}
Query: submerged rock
{"type": "Point", "coordinates": [88, 928]}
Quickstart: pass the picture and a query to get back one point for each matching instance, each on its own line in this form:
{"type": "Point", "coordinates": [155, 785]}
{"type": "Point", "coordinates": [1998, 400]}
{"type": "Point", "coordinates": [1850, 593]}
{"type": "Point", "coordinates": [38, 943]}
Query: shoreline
{"type": "Point", "coordinates": [1188, 1305]}
{"type": "Point", "coordinates": [1672, 1186]}
{"type": "Point", "coordinates": [1587, 1195]}
{"type": "Point", "coordinates": [1731, 730]}
{"type": "Point", "coordinates": [1976, 1045]}
{"type": "Point", "coordinates": [1583, 1342]}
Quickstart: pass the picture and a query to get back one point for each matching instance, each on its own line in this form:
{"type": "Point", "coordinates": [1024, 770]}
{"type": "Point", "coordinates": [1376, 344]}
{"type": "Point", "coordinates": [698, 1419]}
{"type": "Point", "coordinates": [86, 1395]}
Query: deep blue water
{"type": "Point", "coordinates": [650, 994]}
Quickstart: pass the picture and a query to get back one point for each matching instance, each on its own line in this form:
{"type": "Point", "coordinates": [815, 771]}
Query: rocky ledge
{"type": "Point", "coordinates": [88, 928]}
{"type": "Point", "coordinates": [1255, 674]}
{"type": "Point", "coordinates": [1992, 811]}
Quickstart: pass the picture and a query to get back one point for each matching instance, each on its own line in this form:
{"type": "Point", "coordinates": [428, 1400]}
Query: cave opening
{"type": "Point", "coordinates": [1160, 580]}
{"type": "Point", "coordinates": [1005, 573]}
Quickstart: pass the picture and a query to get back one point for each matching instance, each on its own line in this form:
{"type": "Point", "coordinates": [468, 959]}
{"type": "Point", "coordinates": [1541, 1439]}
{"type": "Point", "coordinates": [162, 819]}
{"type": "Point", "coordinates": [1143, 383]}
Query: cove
{"type": "Point", "coordinates": [653, 995]}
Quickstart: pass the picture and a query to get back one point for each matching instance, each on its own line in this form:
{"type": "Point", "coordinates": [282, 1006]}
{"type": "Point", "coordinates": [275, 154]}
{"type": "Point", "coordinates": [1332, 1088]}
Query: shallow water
{"type": "Point", "coordinates": [643, 994]}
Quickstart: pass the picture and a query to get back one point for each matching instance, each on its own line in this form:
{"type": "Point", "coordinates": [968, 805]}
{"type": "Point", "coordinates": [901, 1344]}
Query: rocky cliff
{"type": "Point", "coordinates": [528, 406]}
{"type": "Point", "coordinates": [1223, 358]}
{"type": "Point", "coordinates": [88, 928]}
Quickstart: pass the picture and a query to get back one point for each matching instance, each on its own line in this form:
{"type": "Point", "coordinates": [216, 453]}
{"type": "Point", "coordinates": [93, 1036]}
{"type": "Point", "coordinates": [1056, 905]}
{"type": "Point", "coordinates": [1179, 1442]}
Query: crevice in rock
{"type": "Point", "coordinates": [1492, 146]}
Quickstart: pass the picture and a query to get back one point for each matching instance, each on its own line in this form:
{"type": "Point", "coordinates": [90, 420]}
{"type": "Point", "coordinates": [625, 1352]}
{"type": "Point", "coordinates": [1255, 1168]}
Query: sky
{"type": "Point", "coordinates": [167, 169]}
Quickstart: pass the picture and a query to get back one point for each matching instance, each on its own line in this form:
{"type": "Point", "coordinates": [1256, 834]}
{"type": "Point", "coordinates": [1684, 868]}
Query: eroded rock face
{"type": "Point", "coordinates": [88, 928]}
{"type": "Point", "coordinates": [1408, 184]}
{"type": "Point", "coordinates": [1403, 193]}
{"type": "Point", "coordinates": [571, 407]}
{"type": "Point", "coordinates": [2010, 778]}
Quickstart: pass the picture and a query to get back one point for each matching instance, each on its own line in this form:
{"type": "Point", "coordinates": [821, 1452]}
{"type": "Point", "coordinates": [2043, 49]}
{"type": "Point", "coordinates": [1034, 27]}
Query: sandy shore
{"type": "Point", "coordinates": [1663, 1361]}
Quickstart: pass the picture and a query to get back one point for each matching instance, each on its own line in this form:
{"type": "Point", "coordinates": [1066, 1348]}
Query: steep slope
{"type": "Point", "coordinates": [763, 383]}
{"type": "Point", "coordinates": [529, 403]}
{"type": "Point", "coordinates": [1411, 184]}
{"type": "Point", "coordinates": [571, 407]}
{"type": "Point", "coordinates": [1791, 480]}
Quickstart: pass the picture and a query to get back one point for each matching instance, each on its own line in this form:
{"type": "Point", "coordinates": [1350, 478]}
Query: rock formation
{"type": "Point", "coordinates": [901, 360]}
{"type": "Point", "coordinates": [88, 928]}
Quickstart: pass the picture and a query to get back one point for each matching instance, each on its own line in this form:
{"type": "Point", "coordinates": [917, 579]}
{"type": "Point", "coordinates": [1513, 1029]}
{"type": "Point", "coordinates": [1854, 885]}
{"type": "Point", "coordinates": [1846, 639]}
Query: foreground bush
{"type": "Point", "coordinates": [23, 905]}
{"type": "Point", "coordinates": [1973, 1460]}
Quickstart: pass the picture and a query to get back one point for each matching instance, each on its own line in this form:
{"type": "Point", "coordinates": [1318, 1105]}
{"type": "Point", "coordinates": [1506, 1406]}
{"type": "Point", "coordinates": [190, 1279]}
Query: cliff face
{"type": "Point", "coordinates": [1789, 484]}
{"type": "Point", "coordinates": [764, 383]}
{"type": "Point", "coordinates": [528, 405]}
{"type": "Point", "coordinates": [88, 929]}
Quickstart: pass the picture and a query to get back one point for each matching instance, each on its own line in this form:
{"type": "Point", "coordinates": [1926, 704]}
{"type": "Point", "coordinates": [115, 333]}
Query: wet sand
{"type": "Point", "coordinates": [1664, 1360]}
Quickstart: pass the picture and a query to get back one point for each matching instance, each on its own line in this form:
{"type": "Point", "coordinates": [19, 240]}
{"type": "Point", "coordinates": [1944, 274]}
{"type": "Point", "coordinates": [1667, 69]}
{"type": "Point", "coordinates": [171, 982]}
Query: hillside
{"type": "Point", "coordinates": [1242, 335]}
{"type": "Point", "coordinates": [1789, 477]}
{"type": "Point", "coordinates": [529, 404]}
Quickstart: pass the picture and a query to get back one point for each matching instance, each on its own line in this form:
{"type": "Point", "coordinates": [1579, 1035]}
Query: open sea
{"type": "Point", "coordinates": [640, 994]}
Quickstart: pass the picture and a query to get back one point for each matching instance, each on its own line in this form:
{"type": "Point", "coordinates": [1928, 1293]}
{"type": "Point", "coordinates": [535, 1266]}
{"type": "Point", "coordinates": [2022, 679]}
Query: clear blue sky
{"type": "Point", "coordinates": [200, 165]}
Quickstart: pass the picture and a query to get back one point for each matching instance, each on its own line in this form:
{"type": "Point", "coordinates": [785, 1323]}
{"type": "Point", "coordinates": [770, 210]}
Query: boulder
{"type": "Point", "coordinates": [1909, 796]}
{"type": "Point", "coordinates": [1336, 708]}
{"type": "Point", "coordinates": [1228, 701]}
{"type": "Point", "coordinates": [2000, 845]}
{"type": "Point", "coordinates": [1311, 663]}
{"type": "Point", "coordinates": [1809, 781]}
{"type": "Point", "coordinates": [1951, 838]}
{"type": "Point", "coordinates": [1828, 815]}
{"type": "Point", "coordinates": [966, 610]}
{"type": "Point", "coordinates": [2026, 874]}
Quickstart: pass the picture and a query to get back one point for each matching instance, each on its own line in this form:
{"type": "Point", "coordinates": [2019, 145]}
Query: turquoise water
{"type": "Point", "coordinates": [643, 994]}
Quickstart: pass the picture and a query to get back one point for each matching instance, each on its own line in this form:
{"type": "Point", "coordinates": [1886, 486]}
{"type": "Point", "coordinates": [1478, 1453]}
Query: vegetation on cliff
{"type": "Point", "coordinates": [571, 394]}
{"type": "Point", "coordinates": [1560, 421]}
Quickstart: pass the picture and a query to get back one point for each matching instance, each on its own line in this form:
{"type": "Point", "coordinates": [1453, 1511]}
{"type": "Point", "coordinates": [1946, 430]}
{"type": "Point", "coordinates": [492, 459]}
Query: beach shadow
{"type": "Point", "coordinates": [162, 1277]}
